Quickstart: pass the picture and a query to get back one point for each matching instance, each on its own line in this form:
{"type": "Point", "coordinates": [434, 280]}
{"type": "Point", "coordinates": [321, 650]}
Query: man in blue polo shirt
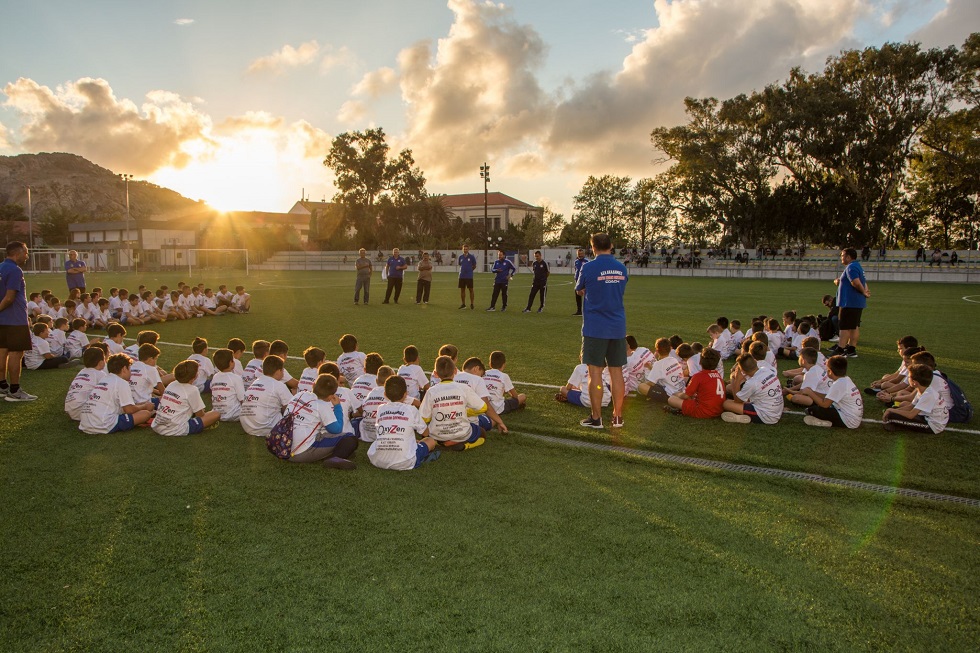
{"type": "Point", "coordinates": [602, 284]}
{"type": "Point", "coordinates": [395, 268]}
{"type": "Point", "coordinates": [15, 334]}
{"type": "Point", "coordinates": [466, 263]}
{"type": "Point", "coordinates": [75, 272]}
{"type": "Point", "coordinates": [503, 270]}
{"type": "Point", "coordinates": [852, 299]}
{"type": "Point", "coordinates": [579, 262]}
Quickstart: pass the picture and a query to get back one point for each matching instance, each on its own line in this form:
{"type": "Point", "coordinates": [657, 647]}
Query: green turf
{"type": "Point", "coordinates": [136, 542]}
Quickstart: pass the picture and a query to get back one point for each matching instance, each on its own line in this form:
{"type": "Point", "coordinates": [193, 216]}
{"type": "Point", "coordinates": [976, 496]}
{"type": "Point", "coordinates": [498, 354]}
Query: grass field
{"type": "Point", "coordinates": [138, 542]}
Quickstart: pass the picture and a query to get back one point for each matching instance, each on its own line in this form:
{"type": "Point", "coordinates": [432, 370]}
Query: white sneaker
{"type": "Point", "coordinates": [735, 418]}
{"type": "Point", "coordinates": [834, 339]}
{"type": "Point", "coordinates": [20, 395]}
{"type": "Point", "coordinates": [810, 420]}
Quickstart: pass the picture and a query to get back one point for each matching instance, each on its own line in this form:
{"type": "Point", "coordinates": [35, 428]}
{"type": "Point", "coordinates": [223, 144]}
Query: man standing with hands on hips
{"type": "Point", "coordinates": [395, 267]}
{"type": "Point", "coordinates": [579, 262]}
{"type": "Point", "coordinates": [504, 270]}
{"type": "Point", "coordinates": [602, 284]}
{"type": "Point", "coordinates": [15, 334]}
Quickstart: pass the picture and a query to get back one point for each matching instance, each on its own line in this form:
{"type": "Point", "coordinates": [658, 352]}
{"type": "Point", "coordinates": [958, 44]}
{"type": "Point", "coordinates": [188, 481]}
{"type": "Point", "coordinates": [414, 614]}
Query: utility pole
{"type": "Point", "coordinates": [30, 220]}
{"type": "Point", "coordinates": [485, 174]}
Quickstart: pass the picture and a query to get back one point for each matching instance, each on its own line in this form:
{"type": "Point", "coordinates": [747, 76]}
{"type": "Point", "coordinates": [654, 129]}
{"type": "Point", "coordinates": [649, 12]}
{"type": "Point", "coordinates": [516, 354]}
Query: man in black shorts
{"type": "Point", "coordinates": [467, 264]}
{"type": "Point", "coordinates": [15, 334]}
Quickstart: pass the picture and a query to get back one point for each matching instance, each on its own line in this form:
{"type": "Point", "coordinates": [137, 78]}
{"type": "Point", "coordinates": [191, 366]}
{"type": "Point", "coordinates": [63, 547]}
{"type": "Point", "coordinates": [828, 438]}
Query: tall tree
{"type": "Point", "coordinates": [608, 204]}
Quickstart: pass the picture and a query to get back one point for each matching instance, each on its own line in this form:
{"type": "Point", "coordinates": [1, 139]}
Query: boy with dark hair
{"type": "Point", "coordinates": [928, 413]}
{"type": "Point", "coordinates": [638, 361]}
{"type": "Point", "coordinates": [318, 426]}
{"type": "Point", "coordinates": [368, 381]}
{"type": "Point", "coordinates": [110, 407]}
{"type": "Point", "coordinates": [415, 379]}
{"type": "Point", "coordinates": [227, 389]}
{"type": "Point", "coordinates": [265, 399]}
{"type": "Point", "coordinates": [666, 375]}
{"type": "Point", "coordinates": [114, 334]}
{"type": "Point", "coordinates": [364, 427]}
{"type": "Point", "coordinates": [205, 369]}
{"type": "Point", "coordinates": [758, 398]}
{"type": "Point", "coordinates": [842, 406]}
{"type": "Point", "coordinates": [314, 357]}
{"type": "Point", "coordinates": [260, 350]}
{"type": "Point", "coordinates": [705, 392]}
{"type": "Point", "coordinates": [504, 398]}
{"type": "Point", "coordinates": [181, 410]}
{"type": "Point", "coordinates": [472, 376]}
{"type": "Point", "coordinates": [350, 361]}
{"type": "Point", "coordinates": [398, 422]}
{"type": "Point", "coordinates": [40, 357]}
{"type": "Point", "coordinates": [445, 408]}
{"type": "Point", "coordinates": [81, 386]}
{"type": "Point", "coordinates": [814, 381]}
{"type": "Point", "coordinates": [281, 349]}
{"type": "Point", "coordinates": [144, 377]}
{"type": "Point", "coordinates": [237, 347]}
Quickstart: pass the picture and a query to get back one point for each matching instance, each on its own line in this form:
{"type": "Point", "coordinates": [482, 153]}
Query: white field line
{"type": "Point", "coordinates": [556, 387]}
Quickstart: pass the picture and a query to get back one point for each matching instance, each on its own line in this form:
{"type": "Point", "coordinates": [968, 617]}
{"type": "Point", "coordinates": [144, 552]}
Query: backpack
{"type": "Point", "coordinates": [961, 411]}
{"type": "Point", "coordinates": [279, 442]}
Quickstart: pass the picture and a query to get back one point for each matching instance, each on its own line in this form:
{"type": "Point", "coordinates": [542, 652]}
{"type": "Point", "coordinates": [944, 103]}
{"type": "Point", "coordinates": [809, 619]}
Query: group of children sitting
{"type": "Point", "coordinates": [689, 379]}
{"type": "Point", "coordinates": [406, 416]}
{"type": "Point", "coordinates": [59, 331]}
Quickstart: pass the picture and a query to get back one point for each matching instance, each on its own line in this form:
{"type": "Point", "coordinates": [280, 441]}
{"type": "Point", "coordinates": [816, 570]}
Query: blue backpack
{"type": "Point", "coordinates": [961, 411]}
{"type": "Point", "coordinates": [279, 442]}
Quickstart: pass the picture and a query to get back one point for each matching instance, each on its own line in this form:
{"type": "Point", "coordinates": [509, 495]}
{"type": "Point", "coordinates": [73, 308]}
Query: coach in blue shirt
{"type": "Point", "coordinates": [75, 272]}
{"type": "Point", "coordinates": [466, 263]}
{"type": "Point", "coordinates": [15, 334]}
{"type": "Point", "coordinates": [395, 268]}
{"type": "Point", "coordinates": [504, 270]}
{"type": "Point", "coordinates": [579, 262]}
{"type": "Point", "coordinates": [852, 299]}
{"type": "Point", "coordinates": [602, 284]}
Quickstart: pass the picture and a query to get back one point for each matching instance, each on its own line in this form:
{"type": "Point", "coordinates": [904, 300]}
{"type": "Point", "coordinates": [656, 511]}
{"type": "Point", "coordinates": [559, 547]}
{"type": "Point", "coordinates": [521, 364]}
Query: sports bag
{"type": "Point", "coordinates": [961, 411]}
{"type": "Point", "coordinates": [279, 442]}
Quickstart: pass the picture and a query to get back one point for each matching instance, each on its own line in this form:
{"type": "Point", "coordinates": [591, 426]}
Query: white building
{"type": "Point", "coordinates": [501, 210]}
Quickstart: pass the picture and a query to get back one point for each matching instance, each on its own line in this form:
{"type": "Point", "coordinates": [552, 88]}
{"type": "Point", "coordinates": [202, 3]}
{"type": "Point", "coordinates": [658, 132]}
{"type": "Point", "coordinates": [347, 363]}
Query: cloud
{"type": "Point", "coordinates": [86, 118]}
{"type": "Point", "coordinates": [352, 112]}
{"type": "Point", "coordinates": [287, 57]}
{"type": "Point", "coordinates": [184, 21]}
{"type": "Point", "coordinates": [700, 48]}
{"type": "Point", "coordinates": [340, 57]}
{"type": "Point", "coordinates": [477, 94]}
{"type": "Point", "coordinates": [5, 145]}
{"type": "Point", "coordinates": [376, 83]}
{"type": "Point", "coordinates": [951, 25]}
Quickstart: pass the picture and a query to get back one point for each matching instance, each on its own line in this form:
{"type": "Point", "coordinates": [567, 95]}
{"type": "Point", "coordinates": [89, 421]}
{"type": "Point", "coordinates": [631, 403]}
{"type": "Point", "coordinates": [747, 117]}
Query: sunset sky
{"type": "Point", "coordinates": [236, 102]}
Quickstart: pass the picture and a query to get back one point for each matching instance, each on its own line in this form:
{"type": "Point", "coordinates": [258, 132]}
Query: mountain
{"type": "Point", "coordinates": [67, 181]}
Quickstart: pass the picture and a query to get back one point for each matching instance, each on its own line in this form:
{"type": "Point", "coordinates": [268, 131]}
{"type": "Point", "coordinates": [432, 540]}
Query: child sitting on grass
{"type": "Point", "coordinates": [928, 412]}
{"type": "Point", "coordinates": [181, 410]}
{"type": "Point", "coordinates": [81, 386]}
{"type": "Point", "coordinates": [227, 389]}
{"type": "Point", "coordinates": [812, 383]}
{"type": "Point", "coordinates": [666, 376]}
{"type": "Point", "coordinates": [758, 398]}
{"type": "Point", "coordinates": [842, 406]}
{"type": "Point", "coordinates": [398, 423]}
{"type": "Point", "coordinates": [705, 392]}
{"type": "Point", "coordinates": [445, 408]}
{"type": "Point", "coordinates": [265, 399]}
{"type": "Point", "coordinates": [110, 407]}
{"type": "Point", "coordinates": [318, 424]}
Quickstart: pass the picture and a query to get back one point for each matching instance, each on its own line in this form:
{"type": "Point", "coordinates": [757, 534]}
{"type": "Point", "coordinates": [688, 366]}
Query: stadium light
{"type": "Point", "coordinates": [30, 219]}
{"type": "Point", "coordinates": [485, 175]}
{"type": "Point", "coordinates": [126, 177]}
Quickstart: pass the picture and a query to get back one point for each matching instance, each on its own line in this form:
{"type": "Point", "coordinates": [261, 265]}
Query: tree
{"type": "Point", "coordinates": [374, 187]}
{"type": "Point", "coordinates": [608, 204]}
{"type": "Point", "coordinates": [53, 226]}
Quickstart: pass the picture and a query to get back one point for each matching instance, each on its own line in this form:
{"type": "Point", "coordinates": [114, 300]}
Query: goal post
{"type": "Point", "coordinates": [217, 260]}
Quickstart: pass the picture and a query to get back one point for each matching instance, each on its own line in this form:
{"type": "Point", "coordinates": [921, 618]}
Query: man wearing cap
{"type": "Point", "coordinates": [364, 270]}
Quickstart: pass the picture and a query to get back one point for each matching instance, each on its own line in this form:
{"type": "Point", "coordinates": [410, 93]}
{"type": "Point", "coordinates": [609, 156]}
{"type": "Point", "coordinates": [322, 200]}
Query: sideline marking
{"type": "Point", "coordinates": [705, 463]}
{"type": "Point", "coordinates": [556, 387]}
{"type": "Point", "coordinates": [969, 298]}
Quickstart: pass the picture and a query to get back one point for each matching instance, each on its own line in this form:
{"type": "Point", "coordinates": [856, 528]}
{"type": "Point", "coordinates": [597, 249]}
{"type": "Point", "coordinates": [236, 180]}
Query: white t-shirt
{"type": "Point", "coordinates": [77, 341]}
{"type": "Point", "coordinates": [499, 386]}
{"type": "Point", "coordinates": [205, 370]}
{"type": "Point", "coordinates": [724, 344]}
{"type": "Point", "coordinates": [227, 394]}
{"type": "Point", "coordinates": [372, 403]}
{"type": "Point", "coordinates": [737, 338]}
{"type": "Point", "coordinates": [762, 391]}
{"type": "Point", "coordinates": [847, 400]}
{"type": "Point", "coordinates": [252, 371]}
{"type": "Point", "coordinates": [580, 380]}
{"type": "Point", "coordinates": [475, 383]}
{"type": "Point", "coordinates": [79, 390]}
{"type": "Point", "coordinates": [931, 406]}
{"type": "Point", "coordinates": [776, 339]}
{"type": "Point", "coordinates": [694, 365]}
{"type": "Point", "coordinates": [35, 357]}
{"type": "Point", "coordinates": [143, 379]}
{"type": "Point", "coordinates": [347, 401]}
{"type": "Point", "coordinates": [816, 379]}
{"type": "Point", "coordinates": [104, 316]}
{"type": "Point", "coordinates": [395, 436]}
{"type": "Point", "coordinates": [445, 408]}
{"type": "Point", "coordinates": [133, 351]}
{"type": "Point", "coordinates": [361, 388]}
{"type": "Point", "coordinates": [943, 388]}
{"type": "Point", "coordinates": [237, 300]}
{"type": "Point", "coordinates": [307, 379]}
{"type": "Point", "coordinates": [115, 305]}
{"type": "Point", "coordinates": [209, 303]}
{"type": "Point", "coordinates": [33, 308]}
{"type": "Point", "coordinates": [415, 379]}
{"type": "Point", "coordinates": [351, 364]}
{"type": "Point", "coordinates": [57, 341]}
{"type": "Point", "coordinates": [262, 408]}
{"type": "Point", "coordinates": [179, 403]}
{"type": "Point", "coordinates": [239, 370]}
{"type": "Point", "coordinates": [168, 305]}
{"type": "Point", "coordinates": [636, 367]}
{"type": "Point", "coordinates": [114, 347]}
{"type": "Point", "coordinates": [310, 416]}
{"type": "Point", "coordinates": [668, 373]}
{"type": "Point", "coordinates": [101, 412]}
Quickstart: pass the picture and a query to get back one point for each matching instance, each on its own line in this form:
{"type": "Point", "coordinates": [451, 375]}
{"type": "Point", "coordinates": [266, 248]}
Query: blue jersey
{"type": "Point", "coordinates": [504, 269]}
{"type": "Point", "coordinates": [604, 281]}
{"type": "Point", "coordinates": [394, 262]}
{"type": "Point", "coordinates": [12, 278]}
{"type": "Point", "coordinates": [75, 280]}
{"type": "Point", "coordinates": [847, 295]}
{"type": "Point", "coordinates": [467, 263]}
{"type": "Point", "coordinates": [579, 262]}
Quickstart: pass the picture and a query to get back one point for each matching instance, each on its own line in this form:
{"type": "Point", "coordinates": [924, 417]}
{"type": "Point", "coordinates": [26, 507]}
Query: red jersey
{"type": "Point", "coordinates": [707, 392]}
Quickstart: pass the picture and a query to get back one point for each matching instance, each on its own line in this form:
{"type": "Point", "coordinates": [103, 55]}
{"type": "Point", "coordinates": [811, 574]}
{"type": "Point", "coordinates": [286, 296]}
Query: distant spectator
{"type": "Point", "coordinates": [954, 258]}
{"type": "Point", "coordinates": [937, 258]}
{"type": "Point", "coordinates": [920, 255]}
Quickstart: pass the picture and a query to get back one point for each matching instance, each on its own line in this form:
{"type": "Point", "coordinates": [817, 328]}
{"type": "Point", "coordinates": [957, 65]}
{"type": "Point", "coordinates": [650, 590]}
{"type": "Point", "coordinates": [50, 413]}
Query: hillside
{"type": "Point", "coordinates": [68, 181]}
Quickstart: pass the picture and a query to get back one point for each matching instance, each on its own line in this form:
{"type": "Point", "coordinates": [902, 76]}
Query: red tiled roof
{"type": "Point", "coordinates": [476, 199]}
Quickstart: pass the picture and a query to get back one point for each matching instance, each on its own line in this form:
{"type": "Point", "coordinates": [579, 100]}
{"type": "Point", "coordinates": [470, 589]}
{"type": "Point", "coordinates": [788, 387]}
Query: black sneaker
{"type": "Point", "coordinates": [670, 410]}
{"type": "Point", "coordinates": [526, 310]}
{"type": "Point", "coordinates": [591, 422]}
{"type": "Point", "coordinates": [462, 305]}
{"type": "Point", "coordinates": [850, 352]}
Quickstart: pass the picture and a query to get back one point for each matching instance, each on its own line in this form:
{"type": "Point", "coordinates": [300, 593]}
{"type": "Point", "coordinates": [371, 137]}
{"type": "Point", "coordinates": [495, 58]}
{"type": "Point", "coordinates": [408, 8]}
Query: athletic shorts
{"type": "Point", "coordinates": [692, 408]}
{"type": "Point", "coordinates": [510, 405]}
{"type": "Point", "coordinates": [466, 283]}
{"type": "Point", "coordinates": [749, 409]}
{"type": "Point", "coordinates": [421, 451]}
{"type": "Point", "coordinates": [15, 337]}
{"type": "Point", "coordinates": [124, 423]}
{"type": "Point", "coordinates": [195, 425]}
{"type": "Point", "coordinates": [604, 352]}
{"type": "Point", "coordinates": [575, 397]}
{"type": "Point", "coordinates": [849, 318]}
{"type": "Point", "coordinates": [473, 437]}
{"type": "Point", "coordinates": [484, 422]}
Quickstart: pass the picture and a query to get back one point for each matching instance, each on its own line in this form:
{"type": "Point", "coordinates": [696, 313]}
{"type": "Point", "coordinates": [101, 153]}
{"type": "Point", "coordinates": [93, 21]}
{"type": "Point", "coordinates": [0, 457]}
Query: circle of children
{"type": "Point", "coordinates": [407, 417]}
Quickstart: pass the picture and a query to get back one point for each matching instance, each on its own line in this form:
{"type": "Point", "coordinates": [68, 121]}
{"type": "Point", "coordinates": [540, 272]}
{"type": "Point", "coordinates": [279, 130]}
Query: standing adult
{"type": "Point", "coordinates": [364, 269]}
{"type": "Point", "coordinates": [602, 284]}
{"type": "Point", "coordinates": [540, 283]}
{"type": "Point", "coordinates": [467, 264]}
{"type": "Point", "coordinates": [579, 262]}
{"type": "Point", "coordinates": [75, 270]}
{"type": "Point", "coordinates": [504, 271]}
{"type": "Point", "coordinates": [395, 268]}
{"type": "Point", "coordinates": [15, 334]}
{"type": "Point", "coordinates": [425, 280]}
{"type": "Point", "coordinates": [852, 299]}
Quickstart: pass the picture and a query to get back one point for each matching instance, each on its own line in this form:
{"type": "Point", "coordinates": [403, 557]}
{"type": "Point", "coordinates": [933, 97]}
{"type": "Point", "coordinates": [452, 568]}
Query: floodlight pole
{"type": "Point", "coordinates": [126, 177]}
{"type": "Point", "coordinates": [485, 174]}
{"type": "Point", "coordinates": [30, 219]}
